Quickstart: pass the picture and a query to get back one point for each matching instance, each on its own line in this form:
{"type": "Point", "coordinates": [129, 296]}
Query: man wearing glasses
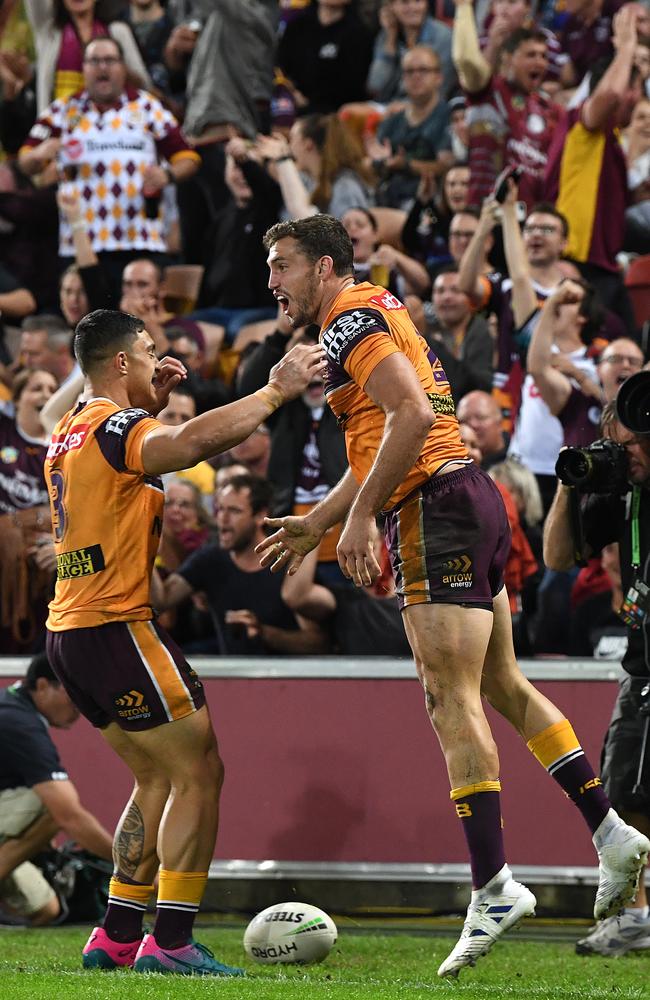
{"type": "Point", "coordinates": [416, 141]}
{"type": "Point", "coordinates": [110, 141]}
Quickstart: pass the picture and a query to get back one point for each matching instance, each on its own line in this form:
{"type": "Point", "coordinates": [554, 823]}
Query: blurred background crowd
{"type": "Point", "coordinates": [145, 149]}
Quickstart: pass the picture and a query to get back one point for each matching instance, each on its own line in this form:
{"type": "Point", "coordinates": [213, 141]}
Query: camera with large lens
{"type": "Point", "coordinates": [633, 403]}
{"type": "Point", "coordinates": [601, 467]}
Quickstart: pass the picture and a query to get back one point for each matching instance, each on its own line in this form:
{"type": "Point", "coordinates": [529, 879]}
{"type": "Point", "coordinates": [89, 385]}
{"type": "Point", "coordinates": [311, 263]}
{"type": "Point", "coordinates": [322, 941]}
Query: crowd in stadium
{"type": "Point", "coordinates": [147, 147]}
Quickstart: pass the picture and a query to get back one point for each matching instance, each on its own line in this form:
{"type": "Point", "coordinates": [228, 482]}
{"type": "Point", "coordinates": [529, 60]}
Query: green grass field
{"type": "Point", "coordinates": [385, 963]}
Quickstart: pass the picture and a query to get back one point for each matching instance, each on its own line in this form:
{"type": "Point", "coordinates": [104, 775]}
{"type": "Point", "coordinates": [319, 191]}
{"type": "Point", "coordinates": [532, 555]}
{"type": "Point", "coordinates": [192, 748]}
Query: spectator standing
{"type": "Point", "coordinates": [544, 238]}
{"type": "Point", "coordinates": [230, 75]}
{"type": "Point", "coordinates": [116, 167]}
{"type": "Point", "coordinates": [586, 173]}
{"type": "Point", "coordinates": [61, 30]}
{"type": "Point", "coordinates": [325, 55]}
{"type": "Point", "coordinates": [505, 17]}
{"type": "Point", "coordinates": [234, 289]}
{"type": "Point", "coordinates": [510, 118]}
{"type": "Point", "coordinates": [329, 155]}
{"type": "Point", "coordinates": [37, 797]}
{"type": "Point", "coordinates": [586, 36]}
{"type": "Point", "coordinates": [151, 26]}
{"type": "Point", "coordinates": [416, 140]}
{"type": "Point", "coordinates": [245, 601]}
{"type": "Point", "coordinates": [572, 324]}
{"type": "Point", "coordinates": [460, 339]}
{"type": "Point", "coordinates": [405, 23]}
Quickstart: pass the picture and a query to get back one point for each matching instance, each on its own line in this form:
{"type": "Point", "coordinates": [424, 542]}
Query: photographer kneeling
{"type": "Point", "coordinates": [604, 497]}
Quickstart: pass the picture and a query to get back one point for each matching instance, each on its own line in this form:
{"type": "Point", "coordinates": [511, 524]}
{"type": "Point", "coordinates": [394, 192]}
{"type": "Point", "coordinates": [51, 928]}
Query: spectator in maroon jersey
{"type": "Point", "coordinates": [587, 174]}
{"type": "Point", "coordinates": [511, 120]}
{"type": "Point", "coordinates": [505, 17]}
{"type": "Point", "coordinates": [586, 36]}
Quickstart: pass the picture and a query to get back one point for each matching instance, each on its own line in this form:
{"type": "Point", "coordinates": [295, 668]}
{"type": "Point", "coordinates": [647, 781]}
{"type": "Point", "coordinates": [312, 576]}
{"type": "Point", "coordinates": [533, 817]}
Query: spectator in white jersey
{"type": "Point", "coordinates": [119, 172]}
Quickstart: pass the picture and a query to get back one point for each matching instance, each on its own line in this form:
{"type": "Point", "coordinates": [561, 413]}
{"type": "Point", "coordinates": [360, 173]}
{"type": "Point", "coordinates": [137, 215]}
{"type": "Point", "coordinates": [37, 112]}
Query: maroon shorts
{"type": "Point", "coordinates": [449, 541]}
{"type": "Point", "coordinates": [131, 673]}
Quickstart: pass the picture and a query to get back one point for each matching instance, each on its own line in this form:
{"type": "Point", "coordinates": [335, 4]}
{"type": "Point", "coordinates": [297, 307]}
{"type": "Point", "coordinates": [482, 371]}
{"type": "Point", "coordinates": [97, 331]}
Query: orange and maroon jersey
{"type": "Point", "coordinates": [366, 324]}
{"type": "Point", "coordinates": [106, 516]}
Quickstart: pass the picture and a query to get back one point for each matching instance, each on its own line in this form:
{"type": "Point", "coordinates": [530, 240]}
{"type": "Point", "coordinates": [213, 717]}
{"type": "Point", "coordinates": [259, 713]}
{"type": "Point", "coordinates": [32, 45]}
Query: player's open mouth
{"type": "Point", "coordinates": [283, 301]}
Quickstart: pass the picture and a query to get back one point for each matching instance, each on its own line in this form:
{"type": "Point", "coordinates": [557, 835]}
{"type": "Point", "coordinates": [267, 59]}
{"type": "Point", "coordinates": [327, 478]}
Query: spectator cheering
{"type": "Point", "coordinates": [62, 28]}
{"type": "Point", "coordinates": [113, 170]}
{"type": "Point", "coordinates": [510, 118]}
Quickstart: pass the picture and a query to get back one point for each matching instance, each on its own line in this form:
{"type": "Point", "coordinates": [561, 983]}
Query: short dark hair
{"type": "Point", "coordinates": [104, 38]}
{"type": "Point", "coordinates": [318, 236]}
{"type": "Point", "coordinates": [522, 35]}
{"type": "Point", "coordinates": [261, 490]}
{"type": "Point", "coordinates": [548, 208]}
{"type": "Point", "coordinates": [450, 268]}
{"type": "Point", "coordinates": [39, 667]}
{"type": "Point", "coordinates": [101, 334]}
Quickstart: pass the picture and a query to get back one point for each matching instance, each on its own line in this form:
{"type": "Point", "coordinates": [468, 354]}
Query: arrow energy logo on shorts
{"type": "Point", "coordinates": [131, 705]}
{"type": "Point", "coordinates": [461, 572]}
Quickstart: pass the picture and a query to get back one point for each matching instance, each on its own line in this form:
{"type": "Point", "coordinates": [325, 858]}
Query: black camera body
{"type": "Point", "coordinates": [601, 467]}
{"type": "Point", "coordinates": [633, 403]}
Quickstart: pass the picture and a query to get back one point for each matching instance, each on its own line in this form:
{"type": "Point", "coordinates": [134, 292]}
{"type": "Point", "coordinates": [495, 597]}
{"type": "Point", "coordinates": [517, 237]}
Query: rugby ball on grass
{"type": "Point", "coordinates": [290, 932]}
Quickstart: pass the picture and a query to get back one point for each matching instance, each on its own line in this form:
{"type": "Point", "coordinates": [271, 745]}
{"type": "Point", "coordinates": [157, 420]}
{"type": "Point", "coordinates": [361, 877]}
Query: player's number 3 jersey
{"type": "Point", "coordinates": [365, 325]}
{"type": "Point", "coordinates": [106, 516]}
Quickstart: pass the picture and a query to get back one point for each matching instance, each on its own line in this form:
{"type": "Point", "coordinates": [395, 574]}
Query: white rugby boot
{"type": "Point", "coordinates": [494, 909]}
{"type": "Point", "coordinates": [616, 936]}
{"type": "Point", "coordinates": [622, 854]}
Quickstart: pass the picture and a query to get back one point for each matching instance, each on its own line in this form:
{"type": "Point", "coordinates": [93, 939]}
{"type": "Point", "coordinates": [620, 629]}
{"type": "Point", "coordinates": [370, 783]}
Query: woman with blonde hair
{"type": "Point", "coordinates": [320, 169]}
{"type": "Point", "coordinates": [523, 486]}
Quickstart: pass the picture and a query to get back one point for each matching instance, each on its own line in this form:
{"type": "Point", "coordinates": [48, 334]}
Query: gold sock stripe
{"type": "Point", "coordinates": [124, 890]}
{"type": "Point", "coordinates": [554, 742]}
{"type": "Point", "coordinates": [481, 786]}
{"type": "Point", "coordinates": [181, 887]}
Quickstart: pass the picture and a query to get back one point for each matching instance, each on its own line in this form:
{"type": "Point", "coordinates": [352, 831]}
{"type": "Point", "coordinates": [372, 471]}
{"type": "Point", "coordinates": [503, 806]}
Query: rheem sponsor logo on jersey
{"type": "Point", "coordinates": [62, 443]}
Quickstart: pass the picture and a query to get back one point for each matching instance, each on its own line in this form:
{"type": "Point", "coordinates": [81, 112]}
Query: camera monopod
{"type": "Point", "coordinates": [644, 710]}
{"type": "Point", "coordinates": [577, 530]}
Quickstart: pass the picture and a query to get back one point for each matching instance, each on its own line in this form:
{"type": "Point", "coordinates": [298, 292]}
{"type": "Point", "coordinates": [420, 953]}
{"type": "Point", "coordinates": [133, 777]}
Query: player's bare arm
{"type": "Point", "coordinates": [169, 449]}
{"type": "Point", "coordinates": [294, 537]}
{"type": "Point", "coordinates": [396, 389]}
